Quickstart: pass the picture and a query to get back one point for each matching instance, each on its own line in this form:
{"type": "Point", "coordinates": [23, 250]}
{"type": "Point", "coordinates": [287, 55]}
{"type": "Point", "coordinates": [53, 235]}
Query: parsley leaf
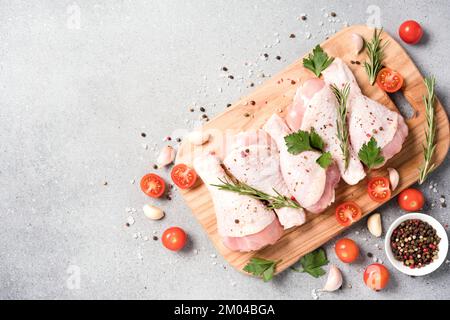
{"type": "Point", "coordinates": [325, 160]}
{"type": "Point", "coordinates": [370, 154]}
{"type": "Point", "coordinates": [317, 61]}
{"type": "Point", "coordinates": [316, 141]}
{"type": "Point", "coordinates": [307, 141]}
{"type": "Point", "coordinates": [312, 263]}
{"type": "Point", "coordinates": [261, 268]}
{"type": "Point", "coordinates": [298, 142]}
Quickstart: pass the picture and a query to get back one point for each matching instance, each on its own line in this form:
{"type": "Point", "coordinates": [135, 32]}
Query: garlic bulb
{"type": "Point", "coordinates": [166, 156]}
{"type": "Point", "coordinates": [358, 43]}
{"type": "Point", "coordinates": [153, 212]}
{"type": "Point", "coordinates": [198, 137]}
{"type": "Point", "coordinates": [374, 225]}
{"type": "Point", "coordinates": [394, 178]}
{"type": "Point", "coordinates": [334, 280]}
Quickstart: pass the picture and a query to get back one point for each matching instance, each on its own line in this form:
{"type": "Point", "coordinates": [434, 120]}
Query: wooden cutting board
{"type": "Point", "coordinates": [274, 96]}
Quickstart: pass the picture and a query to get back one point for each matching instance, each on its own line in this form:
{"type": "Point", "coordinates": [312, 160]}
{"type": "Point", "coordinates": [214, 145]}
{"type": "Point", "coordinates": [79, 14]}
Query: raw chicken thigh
{"type": "Point", "coordinates": [254, 160]}
{"type": "Point", "coordinates": [368, 118]}
{"type": "Point", "coordinates": [244, 223]}
{"type": "Point", "coordinates": [315, 106]}
{"type": "Point", "coordinates": [310, 184]}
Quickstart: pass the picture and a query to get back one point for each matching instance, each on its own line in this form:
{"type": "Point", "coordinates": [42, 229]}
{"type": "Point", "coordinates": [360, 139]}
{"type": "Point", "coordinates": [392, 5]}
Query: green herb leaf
{"type": "Point", "coordinates": [325, 160]}
{"type": "Point", "coordinates": [375, 52]}
{"type": "Point", "coordinates": [262, 268]}
{"type": "Point", "coordinates": [317, 61]}
{"type": "Point", "coordinates": [315, 140]}
{"type": "Point", "coordinates": [430, 132]}
{"type": "Point", "coordinates": [274, 201]}
{"type": "Point", "coordinates": [341, 122]}
{"type": "Point", "coordinates": [370, 154]}
{"type": "Point", "coordinates": [298, 142]}
{"type": "Point", "coordinates": [313, 262]}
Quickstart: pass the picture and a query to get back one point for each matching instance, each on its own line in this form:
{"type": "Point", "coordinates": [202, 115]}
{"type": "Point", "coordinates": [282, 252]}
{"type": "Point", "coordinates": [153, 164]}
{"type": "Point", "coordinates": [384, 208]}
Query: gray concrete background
{"type": "Point", "coordinates": [73, 104]}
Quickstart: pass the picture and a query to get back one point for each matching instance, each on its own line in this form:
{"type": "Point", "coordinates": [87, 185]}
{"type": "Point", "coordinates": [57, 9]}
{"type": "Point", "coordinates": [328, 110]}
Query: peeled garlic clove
{"type": "Point", "coordinates": [166, 156]}
{"type": "Point", "coordinates": [198, 137]}
{"type": "Point", "coordinates": [394, 178]}
{"type": "Point", "coordinates": [153, 212]}
{"type": "Point", "coordinates": [358, 42]}
{"type": "Point", "coordinates": [374, 225]}
{"type": "Point", "coordinates": [334, 280]}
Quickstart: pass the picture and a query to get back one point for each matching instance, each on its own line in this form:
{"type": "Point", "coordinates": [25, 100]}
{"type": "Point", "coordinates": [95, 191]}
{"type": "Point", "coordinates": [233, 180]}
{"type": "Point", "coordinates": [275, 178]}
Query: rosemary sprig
{"type": "Point", "coordinates": [273, 202]}
{"type": "Point", "coordinates": [430, 133]}
{"type": "Point", "coordinates": [375, 52]}
{"type": "Point", "coordinates": [341, 122]}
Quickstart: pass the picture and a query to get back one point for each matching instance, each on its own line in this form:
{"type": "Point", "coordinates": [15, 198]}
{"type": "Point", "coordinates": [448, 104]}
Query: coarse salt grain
{"type": "Point", "coordinates": [130, 220]}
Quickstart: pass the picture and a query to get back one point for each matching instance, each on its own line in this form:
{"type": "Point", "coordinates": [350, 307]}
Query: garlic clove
{"type": "Point", "coordinates": [374, 225]}
{"type": "Point", "coordinates": [198, 137]}
{"type": "Point", "coordinates": [334, 280]}
{"type": "Point", "coordinates": [153, 212]}
{"type": "Point", "coordinates": [166, 156]}
{"type": "Point", "coordinates": [358, 43]}
{"type": "Point", "coordinates": [394, 178]}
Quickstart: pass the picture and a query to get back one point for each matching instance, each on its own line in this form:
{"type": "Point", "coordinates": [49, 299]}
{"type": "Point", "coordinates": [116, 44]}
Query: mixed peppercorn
{"type": "Point", "coordinates": [415, 243]}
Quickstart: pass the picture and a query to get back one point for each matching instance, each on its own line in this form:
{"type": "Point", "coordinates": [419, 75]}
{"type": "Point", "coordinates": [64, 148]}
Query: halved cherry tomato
{"type": "Point", "coordinates": [347, 213]}
{"type": "Point", "coordinates": [379, 189]}
{"type": "Point", "coordinates": [346, 250]}
{"type": "Point", "coordinates": [410, 31]}
{"type": "Point", "coordinates": [183, 176]}
{"type": "Point", "coordinates": [376, 276]}
{"type": "Point", "coordinates": [411, 200]}
{"type": "Point", "coordinates": [174, 238]}
{"type": "Point", "coordinates": [153, 185]}
{"type": "Point", "coordinates": [389, 80]}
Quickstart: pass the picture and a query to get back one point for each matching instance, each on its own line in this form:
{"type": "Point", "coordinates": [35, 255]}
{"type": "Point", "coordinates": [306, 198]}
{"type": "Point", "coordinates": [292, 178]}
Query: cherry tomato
{"type": "Point", "coordinates": [379, 189]}
{"type": "Point", "coordinates": [410, 31]}
{"type": "Point", "coordinates": [153, 185]}
{"type": "Point", "coordinates": [376, 276]}
{"type": "Point", "coordinates": [389, 80]}
{"type": "Point", "coordinates": [347, 250]}
{"type": "Point", "coordinates": [411, 200]}
{"type": "Point", "coordinates": [183, 176]}
{"type": "Point", "coordinates": [347, 213]}
{"type": "Point", "coordinates": [174, 238]}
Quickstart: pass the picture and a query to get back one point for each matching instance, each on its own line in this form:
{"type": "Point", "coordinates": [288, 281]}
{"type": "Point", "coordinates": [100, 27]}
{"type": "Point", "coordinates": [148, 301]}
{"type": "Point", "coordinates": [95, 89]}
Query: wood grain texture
{"type": "Point", "coordinates": [275, 96]}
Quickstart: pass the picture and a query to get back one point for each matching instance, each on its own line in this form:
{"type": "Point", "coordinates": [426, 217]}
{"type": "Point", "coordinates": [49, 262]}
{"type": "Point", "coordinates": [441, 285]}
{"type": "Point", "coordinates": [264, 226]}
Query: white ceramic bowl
{"type": "Point", "coordinates": [443, 245]}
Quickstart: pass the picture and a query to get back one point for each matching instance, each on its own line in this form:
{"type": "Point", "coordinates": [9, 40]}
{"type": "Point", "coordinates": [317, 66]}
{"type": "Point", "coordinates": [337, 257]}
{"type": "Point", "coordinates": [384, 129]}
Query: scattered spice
{"type": "Point", "coordinates": [155, 166]}
{"type": "Point", "coordinates": [415, 243]}
{"type": "Point", "coordinates": [333, 14]}
{"type": "Point", "coordinates": [246, 114]}
{"type": "Point", "coordinates": [204, 116]}
{"type": "Point", "coordinates": [225, 69]}
{"type": "Point", "coordinates": [155, 238]}
{"type": "Point", "coordinates": [191, 110]}
{"type": "Point", "coordinates": [303, 17]}
{"type": "Point", "coordinates": [292, 81]}
{"type": "Point", "coordinates": [143, 134]}
{"type": "Point", "coordinates": [252, 102]}
{"type": "Point", "coordinates": [228, 105]}
{"type": "Point", "coordinates": [202, 109]}
{"type": "Point", "coordinates": [278, 57]}
{"type": "Point", "coordinates": [292, 36]}
{"type": "Point", "coordinates": [231, 77]}
{"type": "Point", "coordinates": [105, 183]}
{"type": "Point", "coordinates": [178, 139]}
{"type": "Point", "coordinates": [265, 55]}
